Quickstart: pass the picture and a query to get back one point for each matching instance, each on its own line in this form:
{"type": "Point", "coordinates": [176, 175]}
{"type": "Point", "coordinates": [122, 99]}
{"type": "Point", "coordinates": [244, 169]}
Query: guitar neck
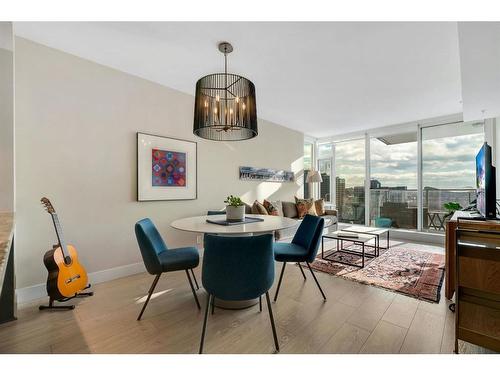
{"type": "Point", "coordinates": [59, 234]}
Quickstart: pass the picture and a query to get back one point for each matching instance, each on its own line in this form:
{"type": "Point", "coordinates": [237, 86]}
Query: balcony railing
{"type": "Point", "coordinates": [398, 208]}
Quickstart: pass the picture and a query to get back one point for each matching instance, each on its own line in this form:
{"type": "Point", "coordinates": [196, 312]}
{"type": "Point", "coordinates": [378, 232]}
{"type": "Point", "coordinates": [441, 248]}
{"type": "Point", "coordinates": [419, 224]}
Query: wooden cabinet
{"type": "Point", "coordinates": [450, 244]}
{"type": "Point", "coordinates": [477, 284]}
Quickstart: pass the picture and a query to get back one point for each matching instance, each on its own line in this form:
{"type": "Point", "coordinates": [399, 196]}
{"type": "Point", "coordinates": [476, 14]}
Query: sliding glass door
{"type": "Point", "coordinates": [350, 181]}
{"type": "Point", "coordinates": [393, 181]}
{"type": "Point", "coordinates": [448, 169]}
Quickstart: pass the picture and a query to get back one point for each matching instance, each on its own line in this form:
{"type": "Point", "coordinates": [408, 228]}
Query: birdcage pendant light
{"type": "Point", "coordinates": [225, 106]}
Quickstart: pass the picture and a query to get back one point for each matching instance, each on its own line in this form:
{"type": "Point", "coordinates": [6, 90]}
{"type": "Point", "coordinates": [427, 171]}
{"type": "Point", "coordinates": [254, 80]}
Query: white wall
{"type": "Point", "coordinates": [76, 124]}
{"type": "Point", "coordinates": [6, 118]}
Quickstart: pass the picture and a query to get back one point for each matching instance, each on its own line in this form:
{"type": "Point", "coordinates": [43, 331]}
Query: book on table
{"type": "Point", "coordinates": [347, 235]}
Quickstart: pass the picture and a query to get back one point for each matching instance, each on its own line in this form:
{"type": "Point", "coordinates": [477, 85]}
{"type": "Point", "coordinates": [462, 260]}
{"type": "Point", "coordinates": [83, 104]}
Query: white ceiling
{"type": "Point", "coordinates": [319, 78]}
{"type": "Point", "coordinates": [479, 55]}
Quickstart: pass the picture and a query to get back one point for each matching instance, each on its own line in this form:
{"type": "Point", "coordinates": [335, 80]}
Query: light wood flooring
{"type": "Point", "coordinates": [356, 319]}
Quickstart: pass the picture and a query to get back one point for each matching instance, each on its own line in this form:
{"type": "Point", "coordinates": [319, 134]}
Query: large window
{"type": "Point", "coordinates": [448, 169]}
{"type": "Point", "coordinates": [393, 183]}
{"type": "Point", "coordinates": [350, 181]}
{"type": "Point", "coordinates": [308, 162]}
{"type": "Point", "coordinates": [325, 162]}
{"type": "Point", "coordinates": [400, 197]}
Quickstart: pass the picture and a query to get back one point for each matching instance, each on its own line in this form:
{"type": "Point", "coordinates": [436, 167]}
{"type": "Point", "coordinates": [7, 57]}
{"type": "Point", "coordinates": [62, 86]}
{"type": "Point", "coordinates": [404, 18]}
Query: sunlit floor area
{"type": "Point", "coordinates": [356, 318]}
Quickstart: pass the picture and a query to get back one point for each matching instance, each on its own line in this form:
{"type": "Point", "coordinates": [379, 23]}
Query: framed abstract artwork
{"type": "Point", "coordinates": [166, 168]}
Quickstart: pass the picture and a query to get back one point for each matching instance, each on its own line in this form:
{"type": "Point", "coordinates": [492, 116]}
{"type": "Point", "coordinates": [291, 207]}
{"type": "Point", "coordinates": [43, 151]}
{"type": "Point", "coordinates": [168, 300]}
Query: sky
{"type": "Point", "coordinates": [447, 162]}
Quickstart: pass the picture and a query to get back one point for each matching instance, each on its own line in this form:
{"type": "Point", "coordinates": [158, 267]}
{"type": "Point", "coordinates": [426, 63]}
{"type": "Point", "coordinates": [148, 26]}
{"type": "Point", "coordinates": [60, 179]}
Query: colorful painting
{"type": "Point", "coordinates": [168, 168]}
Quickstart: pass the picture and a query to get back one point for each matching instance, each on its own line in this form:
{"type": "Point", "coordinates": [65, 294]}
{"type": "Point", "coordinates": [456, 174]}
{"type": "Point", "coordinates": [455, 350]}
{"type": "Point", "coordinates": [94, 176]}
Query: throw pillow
{"type": "Point", "coordinates": [320, 206]}
{"type": "Point", "coordinates": [259, 209]}
{"type": "Point", "coordinates": [248, 208]}
{"type": "Point", "coordinates": [289, 209]}
{"type": "Point", "coordinates": [305, 206]}
{"type": "Point", "coordinates": [273, 207]}
{"type": "Point", "coordinates": [271, 210]}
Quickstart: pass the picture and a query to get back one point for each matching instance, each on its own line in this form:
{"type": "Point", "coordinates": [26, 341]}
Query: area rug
{"type": "Point", "coordinates": [403, 269]}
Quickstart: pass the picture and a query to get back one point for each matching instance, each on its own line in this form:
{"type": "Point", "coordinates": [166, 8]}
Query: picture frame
{"type": "Point", "coordinates": [166, 168]}
{"type": "Point", "coordinates": [266, 174]}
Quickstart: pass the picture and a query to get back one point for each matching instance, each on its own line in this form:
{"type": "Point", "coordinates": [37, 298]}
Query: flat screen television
{"type": "Point", "coordinates": [485, 183]}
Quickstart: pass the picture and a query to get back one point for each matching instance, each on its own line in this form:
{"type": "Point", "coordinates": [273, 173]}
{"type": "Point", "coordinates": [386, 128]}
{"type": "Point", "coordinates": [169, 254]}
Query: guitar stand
{"type": "Point", "coordinates": [51, 305]}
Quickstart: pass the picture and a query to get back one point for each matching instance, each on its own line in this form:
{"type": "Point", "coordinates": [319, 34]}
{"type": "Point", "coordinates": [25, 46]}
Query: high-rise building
{"type": "Point", "coordinates": [359, 194]}
{"type": "Point", "coordinates": [324, 188]}
{"type": "Point", "coordinates": [339, 194]}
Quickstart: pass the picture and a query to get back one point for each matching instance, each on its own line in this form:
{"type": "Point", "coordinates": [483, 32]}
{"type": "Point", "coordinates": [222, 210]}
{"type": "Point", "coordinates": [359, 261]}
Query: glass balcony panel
{"type": "Point", "coordinates": [393, 183]}
{"type": "Point", "coordinates": [448, 169]}
{"type": "Point", "coordinates": [350, 181]}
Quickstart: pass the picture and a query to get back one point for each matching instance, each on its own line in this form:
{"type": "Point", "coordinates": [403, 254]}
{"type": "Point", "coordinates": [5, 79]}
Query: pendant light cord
{"type": "Point", "coordinates": [225, 86]}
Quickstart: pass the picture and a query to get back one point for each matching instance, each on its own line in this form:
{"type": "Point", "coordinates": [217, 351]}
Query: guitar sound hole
{"type": "Point", "coordinates": [67, 259]}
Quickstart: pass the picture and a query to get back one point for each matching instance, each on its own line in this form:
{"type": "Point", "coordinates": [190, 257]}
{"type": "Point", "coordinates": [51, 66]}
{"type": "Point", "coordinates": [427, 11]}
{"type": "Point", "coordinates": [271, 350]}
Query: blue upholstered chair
{"type": "Point", "coordinates": [158, 258]}
{"type": "Point", "coordinates": [237, 269]}
{"type": "Point", "coordinates": [303, 248]}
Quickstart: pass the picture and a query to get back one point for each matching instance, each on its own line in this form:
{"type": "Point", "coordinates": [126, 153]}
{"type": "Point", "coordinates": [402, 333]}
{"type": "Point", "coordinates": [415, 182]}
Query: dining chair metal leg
{"type": "Point", "coordinates": [209, 300]}
{"type": "Point", "coordinates": [301, 270]}
{"type": "Point", "coordinates": [279, 282]}
{"type": "Point", "coordinates": [315, 279]}
{"type": "Point", "coordinates": [151, 290]}
{"type": "Point", "coordinates": [194, 291]}
{"type": "Point", "coordinates": [260, 303]}
{"type": "Point", "coordinates": [275, 336]}
{"type": "Point", "coordinates": [195, 281]}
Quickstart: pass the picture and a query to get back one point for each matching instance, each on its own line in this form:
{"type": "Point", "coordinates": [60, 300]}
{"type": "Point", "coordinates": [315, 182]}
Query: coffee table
{"type": "Point", "coordinates": [361, 239]}
{"type": "Point", "coordinates": [377, 232]}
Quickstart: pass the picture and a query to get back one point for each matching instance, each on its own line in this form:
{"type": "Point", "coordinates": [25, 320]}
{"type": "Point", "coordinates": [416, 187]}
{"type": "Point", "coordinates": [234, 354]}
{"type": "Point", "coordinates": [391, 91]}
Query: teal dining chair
{"type": "Point", "coordinates": [238, 269]}
{"type": "Point", "coordinates": [303, 248]}
{"type": "Point", "coordinates": [159, 259]}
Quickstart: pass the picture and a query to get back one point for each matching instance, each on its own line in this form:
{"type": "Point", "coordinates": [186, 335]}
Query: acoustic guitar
{"type": "Point", "coordinates": [66, 276]}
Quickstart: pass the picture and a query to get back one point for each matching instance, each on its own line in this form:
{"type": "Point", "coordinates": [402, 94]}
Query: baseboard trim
{"type": "Point", "coordinates": [34, 292]}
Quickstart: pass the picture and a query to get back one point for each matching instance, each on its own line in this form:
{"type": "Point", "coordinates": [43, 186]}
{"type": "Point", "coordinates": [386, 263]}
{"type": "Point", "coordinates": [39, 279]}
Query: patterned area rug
{"type": "Point", "coordinates": [401, 268]}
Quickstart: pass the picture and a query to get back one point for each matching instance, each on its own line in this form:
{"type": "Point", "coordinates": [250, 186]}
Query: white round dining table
{"type": "Point", "coordinates": [199, 224]}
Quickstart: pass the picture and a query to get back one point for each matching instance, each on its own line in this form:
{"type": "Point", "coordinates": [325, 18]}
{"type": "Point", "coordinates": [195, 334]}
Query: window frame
{"type": "Point", "coordinates": [489, 136]}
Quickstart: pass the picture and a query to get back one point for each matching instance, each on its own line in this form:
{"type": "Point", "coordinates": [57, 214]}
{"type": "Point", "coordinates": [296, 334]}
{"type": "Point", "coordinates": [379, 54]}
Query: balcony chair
{"type": "Point", "coordinates": [303, 248]}
{"type": "Point", "coordinates": [238, 269]}
{"type": "Point", "coordinates": [159, 259]}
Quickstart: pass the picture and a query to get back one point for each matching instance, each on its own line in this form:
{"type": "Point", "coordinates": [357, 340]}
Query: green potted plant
{"type": "Point", "coordinates": [235, 209]}
{"type": "Point", "coordinates": [451, 207]}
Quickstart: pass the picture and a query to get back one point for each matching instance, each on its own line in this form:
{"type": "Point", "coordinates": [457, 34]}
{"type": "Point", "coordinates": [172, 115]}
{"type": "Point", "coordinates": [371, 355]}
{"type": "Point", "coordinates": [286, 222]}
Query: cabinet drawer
{"type": "Point", "coordinates": [480, 274]}
{"type": "Point", "coordinates": [479, 319]}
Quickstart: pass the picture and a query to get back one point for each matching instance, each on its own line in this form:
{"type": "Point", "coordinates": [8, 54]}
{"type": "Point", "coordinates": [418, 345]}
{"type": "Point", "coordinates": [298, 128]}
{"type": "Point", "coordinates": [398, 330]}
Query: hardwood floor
{"type": "Point", "coordinates": [356, 318]}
